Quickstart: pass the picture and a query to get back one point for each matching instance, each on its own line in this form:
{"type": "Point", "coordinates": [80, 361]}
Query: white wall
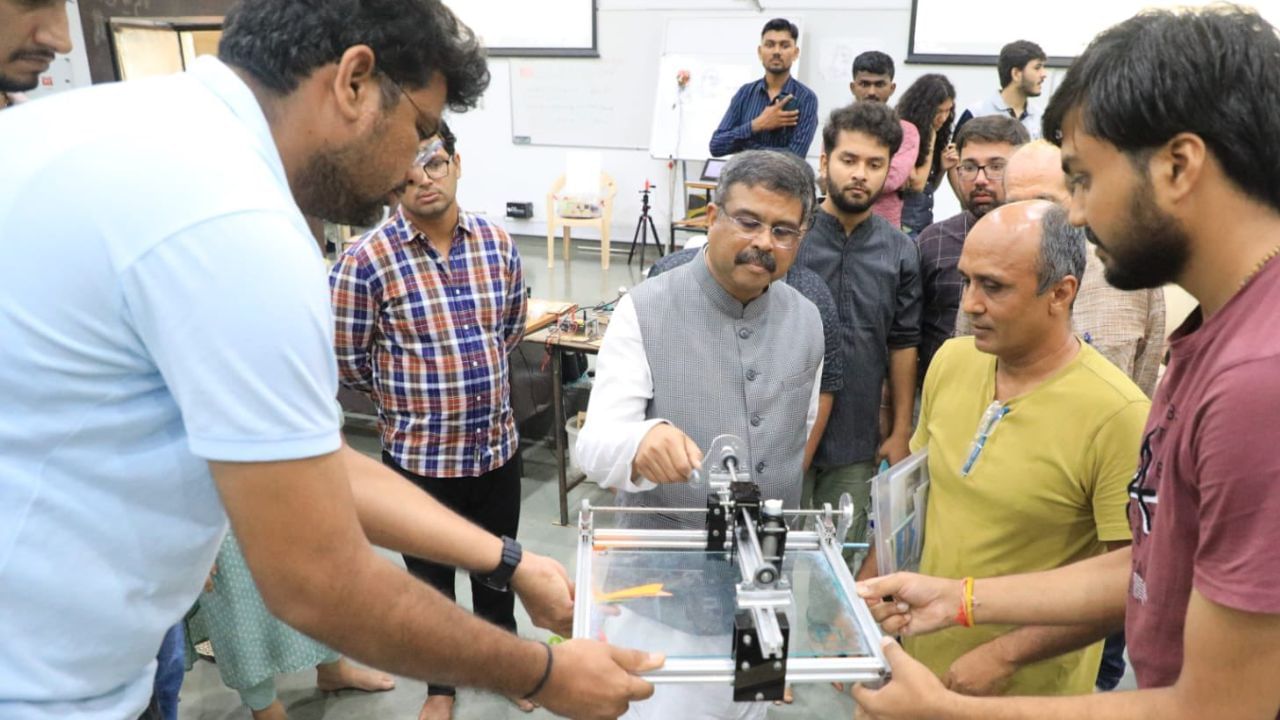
{"type": "Point", "coordinates": [496, 171]}
{"type": "Point", "coordinates": [1007, 19]}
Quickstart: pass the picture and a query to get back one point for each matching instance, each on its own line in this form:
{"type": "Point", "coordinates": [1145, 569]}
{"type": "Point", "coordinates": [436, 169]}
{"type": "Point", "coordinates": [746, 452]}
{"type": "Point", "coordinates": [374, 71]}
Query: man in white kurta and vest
{"type": "Point", "coordinates": [714, 346]}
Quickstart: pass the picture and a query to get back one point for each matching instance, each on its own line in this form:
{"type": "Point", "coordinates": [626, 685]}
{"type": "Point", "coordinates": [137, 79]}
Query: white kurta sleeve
{"type": "Point", "coordinates": [622, 389]}
{"type": "Point", "coordinates": [812, 416]}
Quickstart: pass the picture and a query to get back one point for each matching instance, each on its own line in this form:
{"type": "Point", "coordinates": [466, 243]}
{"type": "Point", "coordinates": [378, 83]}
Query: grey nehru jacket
{"type": "Point", "coordinates": [721, 367]}
{"type": "Point", "coordinates": [874, 275]}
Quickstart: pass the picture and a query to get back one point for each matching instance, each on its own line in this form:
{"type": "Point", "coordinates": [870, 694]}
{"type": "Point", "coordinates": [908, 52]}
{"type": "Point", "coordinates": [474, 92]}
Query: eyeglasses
{"type": "Point", "coordinates": [968, 170]}
{"type": "Point", "coordinates": [1138, 491]}
{"type": "Point", "coordinates": [994, 413]}
{"type": "Point", "coordinates": [432, 164]}
{"type": "Point", "coordinates": [749, 227]}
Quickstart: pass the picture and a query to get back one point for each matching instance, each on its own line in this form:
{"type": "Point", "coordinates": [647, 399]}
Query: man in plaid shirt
{"type": "Point", "coordinates": [427, 306]}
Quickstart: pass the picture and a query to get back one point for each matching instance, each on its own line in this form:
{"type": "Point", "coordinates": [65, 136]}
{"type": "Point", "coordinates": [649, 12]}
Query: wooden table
{"type": "Point", "coordinates": [696, 222]}
{"type": "Point", "coordinates": [543, 313]}
{"type": "Point", "coordinates": [558, 344]}
{"type": "Point", "coordinates": [702, 185]}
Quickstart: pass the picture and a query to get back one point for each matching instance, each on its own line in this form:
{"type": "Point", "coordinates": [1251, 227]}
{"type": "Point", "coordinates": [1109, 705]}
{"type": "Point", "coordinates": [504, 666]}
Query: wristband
{"type": "Point", "coordinates": [546, 675]}
{"type": "Point", "coordinates": [500, 578]}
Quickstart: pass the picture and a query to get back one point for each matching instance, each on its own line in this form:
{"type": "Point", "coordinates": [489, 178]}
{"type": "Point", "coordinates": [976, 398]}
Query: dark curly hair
{"type": "Point", "coordinates": [875, 119]}
{"type": "Point", "coordinates": [280, 42]}
{"type": "Point", "coordinates": [918, 106]}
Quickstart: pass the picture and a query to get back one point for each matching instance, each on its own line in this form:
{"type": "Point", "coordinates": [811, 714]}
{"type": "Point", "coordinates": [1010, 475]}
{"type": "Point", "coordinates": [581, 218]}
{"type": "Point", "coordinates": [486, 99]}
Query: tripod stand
{"type": "Point", "coordinates": [643, 227]}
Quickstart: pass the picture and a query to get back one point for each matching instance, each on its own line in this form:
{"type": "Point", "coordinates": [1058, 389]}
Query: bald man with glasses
{"type": "Point", "coordinates": [985, 145]}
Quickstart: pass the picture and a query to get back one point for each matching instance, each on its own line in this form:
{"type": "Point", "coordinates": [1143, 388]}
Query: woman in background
{"type": "Point", "coordinates": [929, 104]}
{"type": "Point", "coordinates": [252, 646]}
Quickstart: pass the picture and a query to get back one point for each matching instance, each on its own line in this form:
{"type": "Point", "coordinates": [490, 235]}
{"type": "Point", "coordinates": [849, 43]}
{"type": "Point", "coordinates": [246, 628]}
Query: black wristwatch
{"type": "Point", "coordinates": [500, 578]}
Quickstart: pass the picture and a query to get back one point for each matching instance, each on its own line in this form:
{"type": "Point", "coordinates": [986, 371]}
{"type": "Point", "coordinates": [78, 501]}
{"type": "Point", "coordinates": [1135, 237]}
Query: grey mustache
{"type": "Point", "coordinates": [759, 257]}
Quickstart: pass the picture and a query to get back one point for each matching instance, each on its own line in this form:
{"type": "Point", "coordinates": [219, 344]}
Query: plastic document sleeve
{"type": "Point", "coordinates": [899, 497]}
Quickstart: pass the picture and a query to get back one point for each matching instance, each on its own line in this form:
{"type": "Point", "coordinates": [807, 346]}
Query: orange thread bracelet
{"type": "Point", "coordinates": [965, 615]}
{"type": "Point", "coordinates": [968, 601]}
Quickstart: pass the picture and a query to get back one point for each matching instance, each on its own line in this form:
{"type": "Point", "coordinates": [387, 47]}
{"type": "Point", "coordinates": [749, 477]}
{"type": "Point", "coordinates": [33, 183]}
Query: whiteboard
{"type": "Point", "coordinates": [934, 37]}
{"type": "Point", "coordinates": [531, 27]}
{"type": "Point", "coordinates": [610, 101]}
{"type": "Point", "coordinates": [684, 119]}
{"type": "Point", "coordinates": [590, 102]}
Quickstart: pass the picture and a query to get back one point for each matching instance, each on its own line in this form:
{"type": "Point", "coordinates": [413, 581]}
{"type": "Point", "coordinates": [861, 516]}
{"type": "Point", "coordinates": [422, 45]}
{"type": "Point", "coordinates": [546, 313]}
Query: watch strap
{"type": "Point", "coordinates": [500, 578]}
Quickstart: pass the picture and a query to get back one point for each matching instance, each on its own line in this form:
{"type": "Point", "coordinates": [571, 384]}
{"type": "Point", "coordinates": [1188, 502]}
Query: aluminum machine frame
{"type": "Point", "coordinates": [755, 536]}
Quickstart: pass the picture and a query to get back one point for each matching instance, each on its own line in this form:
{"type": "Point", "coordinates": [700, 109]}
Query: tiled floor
{"type": "Point", "coordinates": [581, 281]}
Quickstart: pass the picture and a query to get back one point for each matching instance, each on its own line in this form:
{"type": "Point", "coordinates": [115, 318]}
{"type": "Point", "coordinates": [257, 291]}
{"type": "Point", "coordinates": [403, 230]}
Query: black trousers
{"type": "Point", "coordinates": [491, 501]}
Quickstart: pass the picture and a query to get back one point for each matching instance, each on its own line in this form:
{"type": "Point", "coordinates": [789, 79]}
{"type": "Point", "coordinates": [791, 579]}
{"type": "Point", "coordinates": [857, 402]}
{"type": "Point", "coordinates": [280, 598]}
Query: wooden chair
{"type": "Point", "coordinates": [608, 189]}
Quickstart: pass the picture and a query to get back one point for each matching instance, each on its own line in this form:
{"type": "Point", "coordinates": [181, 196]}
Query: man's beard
{"type": "Point", "coordinates": [1029, 89]}
{"type": "Point", "coordinates": [1150, 251]}
{"type": "Point", "coordinates": [980, 210]}
{"type": "Point", "coordinates": [846, 205]}
{"type": "Point", "coordinates": [10, 84]}
{"type": "Point", "coordinates": [326, 191]}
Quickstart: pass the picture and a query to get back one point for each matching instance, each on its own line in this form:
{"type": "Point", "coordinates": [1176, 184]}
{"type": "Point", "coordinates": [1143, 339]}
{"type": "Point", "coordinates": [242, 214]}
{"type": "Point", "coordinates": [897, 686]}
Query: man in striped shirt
{"type": "Point", "coordinates": [427, 306]}
{"type": "Point", "coordinates": [776, 112]}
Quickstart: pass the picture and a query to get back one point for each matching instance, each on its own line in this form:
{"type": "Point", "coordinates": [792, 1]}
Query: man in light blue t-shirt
{"type": "Point", "coordinates": [1022, 75]}
{"type": "Point", "coordinates": [167, 363]}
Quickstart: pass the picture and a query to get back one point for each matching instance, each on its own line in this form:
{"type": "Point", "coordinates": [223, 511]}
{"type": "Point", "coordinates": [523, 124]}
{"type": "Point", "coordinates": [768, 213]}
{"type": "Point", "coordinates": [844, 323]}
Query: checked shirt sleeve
{"type": "Point", "coordinates": [354, 313]}
{"type": "Point", "coordinates": [517, 306]}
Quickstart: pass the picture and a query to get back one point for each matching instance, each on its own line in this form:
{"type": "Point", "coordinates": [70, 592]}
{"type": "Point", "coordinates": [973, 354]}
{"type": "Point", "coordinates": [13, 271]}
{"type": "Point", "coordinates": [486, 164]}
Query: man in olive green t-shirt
{"type": "Point", "coordinates": [1033, 437]}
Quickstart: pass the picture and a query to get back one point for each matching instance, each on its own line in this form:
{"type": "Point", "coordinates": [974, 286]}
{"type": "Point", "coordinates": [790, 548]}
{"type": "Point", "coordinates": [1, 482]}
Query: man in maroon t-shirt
{"type": "Point", "coordinates": [1175, 186]}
